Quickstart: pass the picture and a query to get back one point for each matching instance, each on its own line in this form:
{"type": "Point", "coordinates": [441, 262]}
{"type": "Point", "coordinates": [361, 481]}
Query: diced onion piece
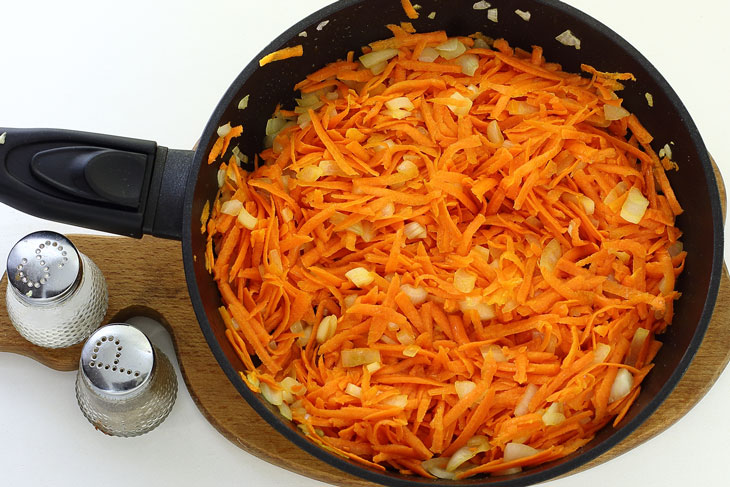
{"type": "Point", "coordinates": [408, 169]}
{"type": "Point", "coordinates": [636, 343]}
{"type": "Point", "coordinates": [287, 214]}
{"type": "Point", "coordinates": [476, 444]}
{"type": "Point", "coordinates": [494, 350]}
{"type": "Point", "coordinates": [353, 390]}
{"type": "Point", "coordinates": [274, 125]}
{"type": "Point", "coordinates": [568, 39]}
{"type": "Point", "coordinates": [327, 328]}
{"type": "Point", "coordinates": [615, 193]}
{"type": "Point", "coordinates": [417, 295]}
{"type": "Point", "coordinates": [247, 219]}
{"type": "Point", "coordinates": [551, 255]}
{"type": "Point", "coordinates": [306, 335]}
{"type": "Point", "coordinates": [634, 207]}
{"type": "Point", "coordinates": [401, 102]}
{"type": "Point", "coordinates": [518, 107]}
{"type": "Point", "coordinates": [613, 112]}
{"type": "Point", "coordinates": [428, 55]}
{"type": "Point", "coordinates": [399, 401]}
{"type": "Point", "coordinates": [588, 204]}
{"type": "Point", "coordinates": [515, 451]}
{"type": "Point", "coordinates": [482, 252]}
{"type": "Point", "coordinates": [379, 68]}
{"type": "Point", "coordinates": [221, 176]}
{"type": "Point", "coordinates": [464, 387]}
{"type": "Point", "coordinates": [464, 280]}
{"type": "Point", "coordinates": [523, 14]}
{"type": "Point", "coordinates": [224, 130]}
{"type": "Point", "coordinates": [243, 103]}
{"type": "Point", "coordinates": [293, 386]}
{"type": "Point", "coordinates": [405, 338]}
{"type": "Point", "coordinates": [231, 207]}
{"type": "Point", "coordinates": [481, 5]}
{"type": "Point", "coordinates": [411, 350]}
{"type": "Point", "coordinates": [310, 174]}
{"type": "Point", "coordinates": [437, 468]}
{"type": "Point", "coordinates": [375, 57]}
{"type": "Point", "coordinates": [554, 414]}
{"type": "Point", "coordinates": [469, 64]}
{"type": "Point", "coordinates": [493, 14]}
{"type": "Point", "coordinates": [350, 300]}
{"type": "Point", "coordinates": [359, 356]}
{"type": "Point", "coordinates": [524, 405]}
{"type": "Point", "coordinates": [621, 385]}
{"type": "Point", "coordinates": [601, 353]}
{"type": "Point", "coordinates": [451, 49]}
{"type": "Point", "coordinates": [494, 133]}
{"type": "Point", "coordinates": [484, 311]}
{"type": "Point", "coordinates": [649, 99]}
{"type": "Point", "coordinates": [360, 276]}
{"type": "Point", "coordinates": [285, 411]}
{"type": "Point", "coordinates": [675, 249]}
{"type": "Point", "coordinates": [272, 395]}
{"type": "Point", "coordinates": [275, 262]}
{"type": "Point", "coordinates": [2, 137]}
{"type": "Point", "coordinates": [373, 367]}
{"type": "Point", "coordinates": [463, 105]}
{"type": "Point", "coordinates": [414, 230]}
{"type": "Point", "coordinates": [330, 168]}
{"type": "Point", "coordinates": [253, 379]}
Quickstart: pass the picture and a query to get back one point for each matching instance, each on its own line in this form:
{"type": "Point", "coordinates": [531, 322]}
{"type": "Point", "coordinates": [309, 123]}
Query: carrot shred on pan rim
{"type": "Point", "coordinates": [281, 54]}
{"type": "Point", "coordinates": [425, 259]}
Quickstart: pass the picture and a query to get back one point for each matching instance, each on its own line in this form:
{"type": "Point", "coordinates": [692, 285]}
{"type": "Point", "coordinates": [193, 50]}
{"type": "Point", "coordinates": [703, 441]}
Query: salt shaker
{"type": "Point", "coordinates": [125, 386]}
{"type": "Point", "coordinates": [56, 296]}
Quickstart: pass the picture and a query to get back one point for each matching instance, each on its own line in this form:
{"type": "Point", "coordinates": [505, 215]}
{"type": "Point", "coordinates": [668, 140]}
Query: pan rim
{"type": "Point", "coordinates": [527, 477]}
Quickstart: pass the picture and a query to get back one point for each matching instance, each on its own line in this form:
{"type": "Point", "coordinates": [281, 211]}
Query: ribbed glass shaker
{"type": "Point", "coordinates": [125, 386]}
{"type": "Point", "coordinates": [56, 296]}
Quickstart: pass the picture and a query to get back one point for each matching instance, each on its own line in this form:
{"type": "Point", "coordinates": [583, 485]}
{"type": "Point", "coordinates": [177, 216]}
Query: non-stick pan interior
{"type": "Point", "coordinates": [352, 24]}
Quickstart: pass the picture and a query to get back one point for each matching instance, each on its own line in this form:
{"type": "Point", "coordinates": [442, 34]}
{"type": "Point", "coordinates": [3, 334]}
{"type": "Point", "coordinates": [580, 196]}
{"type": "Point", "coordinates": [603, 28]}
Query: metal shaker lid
{"type": "Point", "coordinates": [44, 267]}
{"type": "Point", "coordinates": [117, 360]}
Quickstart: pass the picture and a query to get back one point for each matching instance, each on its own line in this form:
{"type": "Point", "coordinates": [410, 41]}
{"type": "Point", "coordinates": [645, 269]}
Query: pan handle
{"type": "Point", "coordinates": [113, 184]}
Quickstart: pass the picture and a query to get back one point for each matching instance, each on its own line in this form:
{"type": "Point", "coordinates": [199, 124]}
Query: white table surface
{"type": "Point", "coordinates": [155, 70]}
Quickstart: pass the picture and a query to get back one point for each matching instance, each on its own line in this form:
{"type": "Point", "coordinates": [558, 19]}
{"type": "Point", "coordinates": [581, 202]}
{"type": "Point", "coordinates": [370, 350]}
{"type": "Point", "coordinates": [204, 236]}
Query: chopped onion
{"type": "Point", "coordinates": [432, 15]}
{"type": "Point", "coordinates": [399, 401]}
{"type": "Point", "coordinates": [612, 112]}
{"type": "Point", "coordinates": [588, 204]}
{"type": "Point", "coordinates": [551, 255]}
{"type": "Point", "coordinates": [518, 107]}
{"type": "Point", "coordinates": [675, 249]}
{"type": "Point", "coordinates": [493, 15]}
{"type": "Point", "coordinates": [379, 68]}
{"type": "Point", "coordinates": [622, 385]}
{"type": "Point", "coordinates": [253, 379]}
{"type": "Point", "coordinates": [221, 176]}
{"type": "Point", "coordinates": [464, 387]}
{"type": "Point", "coordinates": [388, 210]}
{"type": "Point", "coordinates": [275, 262]}
{"type": "Point", "coordinates": [274, 125]}
{"type": "Point", "coordinates": [322, 24]}
{"type": "Point", "coordinates": [615, 193]}
{"type": "Point", "coordinates": [306, 335]}
{"type": "Point", "coordinates": [494, 133]}
{"type": "Point", "coordinates": [330, 168]}
{"type": "Point", "coordinates": [417, 295]}
{"type": "Point", "coordinates": [568, 39]}
{"type": "Point", "coordinates": [285, 411]}
{"type": "Point", "coordinates": [231, 207]}
{"type": "Point", "coordinates": [494, 350]}
{"type": "Point", "coordinates": [247, 219]}
{"type": "Point", "coordinates": [293, 386]}
{"type": "Point", "coordinates": [243, 103]}
{"type": "Point", "coordinates": [482, 252]}
{"type": "Point", "coordinates": [373, 367]}
{"type": "Point", "coordinates": [515, 451]}
{"type": "Point", "coordinates": [224, 130]}
{"type": "Point", "coordinates": [480, 43]}
{"type": "Point", "coordinates": [414, 230]}
{"type": "Point", "coordinates": [437, 468]}
{"type": "Point", "coordinates": [350, 300]}
{"type": "Point", "coordinates": [273, 396]}
{"type": "Point", "coordinates": [2, 137]}
{"type": "Point", "coordinates": [523, 407]}
{"type": "Point", "coordinates": [523, 14]}
{"type": "Point", "coordinates": [408, 169]}
{"type": "Point", "coordinates": [326, 328]}
{"type": "Point", "coordinates": [462, 105]}
{"type": "Point", "coordinates": [401, 102]}
{"type": "Point", "coordinates": [481, 5]}
{"type": "Point", "coordinates": [554, 414]}
{"type": "Point", "coordinates": [353, 390]}
{"type": "Point", "coordinates": [601, 353]}
{"type": "Point", "coordinates": [310, 174]}
{"type": "Point", "coordinates": [475, 445]}
{"type": "Point", "coordinates": [359, 356]}
{"type": "Point", "coordinates": [451, 49]}
{"type": "Point", "coordinates": [464, 281]}
{"type": "Point", "coordinates": [469, 64]}
{"type": "Point", "coordinates": [636, 344]}
{"type": "Point", "coordinates": [484, 311]}
{"type": "Point", "coordinates": [411, 350]}
{"type": "Point", "coordinates": [405, 338]}
{"type": "Point", "coordinates": [428, 55]}
{"type": "Point", "coordinates": [634, 207]}
{"type": "Point", "coordinates": [360, 276]}
{"type": "Point", "coordinates": [376, 57]}
{"type": "Point", "coordinates": [649, 99]}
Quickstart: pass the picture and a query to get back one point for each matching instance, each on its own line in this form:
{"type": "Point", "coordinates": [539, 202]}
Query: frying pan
{"type": "Point", "coordinates": [132, 187]}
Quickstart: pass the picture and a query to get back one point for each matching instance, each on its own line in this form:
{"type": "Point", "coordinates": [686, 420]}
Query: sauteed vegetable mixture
{"type": "Point", "coordinates": [453, 258]}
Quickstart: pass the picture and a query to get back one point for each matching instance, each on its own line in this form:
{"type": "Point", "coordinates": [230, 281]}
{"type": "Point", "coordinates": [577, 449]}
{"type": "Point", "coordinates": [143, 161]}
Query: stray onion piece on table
{"type": "Point", "coordinates": [453, 258]}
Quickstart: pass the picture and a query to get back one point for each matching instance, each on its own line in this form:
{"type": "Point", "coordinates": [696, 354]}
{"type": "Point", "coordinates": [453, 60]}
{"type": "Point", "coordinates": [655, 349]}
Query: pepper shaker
{"type": "Point", "coordinates": [125, 386]}
{"type": "Point", "coordinates": [56, 296]}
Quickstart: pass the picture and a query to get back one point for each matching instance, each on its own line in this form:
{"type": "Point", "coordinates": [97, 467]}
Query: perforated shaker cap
{"type": "Point", "coordinates": [44, 267]}
{"type": "Point", "coordinates": [117, 360]}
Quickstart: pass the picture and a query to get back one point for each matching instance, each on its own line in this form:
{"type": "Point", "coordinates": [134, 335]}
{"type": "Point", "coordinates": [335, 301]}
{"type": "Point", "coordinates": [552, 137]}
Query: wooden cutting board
{"type": "Point", "coordinates": [140, 286]}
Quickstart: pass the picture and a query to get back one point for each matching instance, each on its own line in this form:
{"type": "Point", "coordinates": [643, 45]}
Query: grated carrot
{"type": "Point", "coordinates": [415, 270]}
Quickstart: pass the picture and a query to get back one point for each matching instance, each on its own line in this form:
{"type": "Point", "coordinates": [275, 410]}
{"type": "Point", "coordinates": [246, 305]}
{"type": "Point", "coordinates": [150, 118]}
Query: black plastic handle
{"type": "Point", "coordinates": [113, 184]}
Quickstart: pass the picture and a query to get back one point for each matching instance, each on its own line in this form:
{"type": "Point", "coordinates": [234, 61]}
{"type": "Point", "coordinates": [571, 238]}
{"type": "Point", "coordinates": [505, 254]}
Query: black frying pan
{"type": "Point", "coordinates": [132, 187]}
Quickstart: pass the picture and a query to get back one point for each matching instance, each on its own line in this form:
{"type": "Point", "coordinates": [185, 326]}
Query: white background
{"type": "Point", "coordinates": [155, 70]}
